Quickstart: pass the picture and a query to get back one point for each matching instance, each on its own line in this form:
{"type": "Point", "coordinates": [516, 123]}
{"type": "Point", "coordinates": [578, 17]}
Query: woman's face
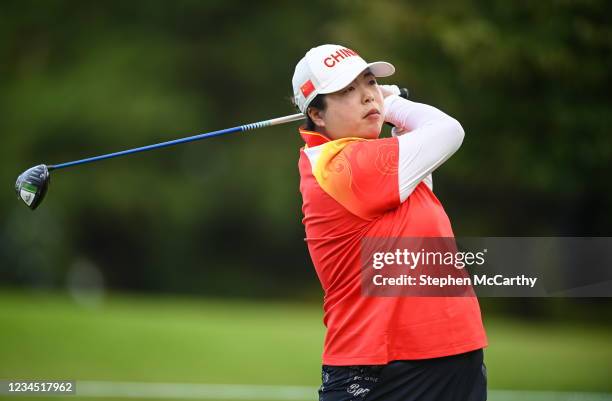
{"type": "Point", "coordinates": [356, 110]}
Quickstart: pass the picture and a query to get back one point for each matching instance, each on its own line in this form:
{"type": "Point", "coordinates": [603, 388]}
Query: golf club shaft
{"type": "Point", "coordinates": [247, 127]}
{"type": "Point", "coordinates": [241, 128]}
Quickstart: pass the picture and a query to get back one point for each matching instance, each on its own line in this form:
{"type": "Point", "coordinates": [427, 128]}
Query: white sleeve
{"type": "Point", "coordinates": [427, 138]}
{"type": "Point", "coordinates": [398, 131]}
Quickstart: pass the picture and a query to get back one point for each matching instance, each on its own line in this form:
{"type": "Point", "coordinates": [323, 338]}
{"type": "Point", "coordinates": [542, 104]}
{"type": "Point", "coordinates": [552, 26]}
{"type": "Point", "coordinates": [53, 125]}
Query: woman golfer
{"type": "Point", "coordinates": [356, 185]}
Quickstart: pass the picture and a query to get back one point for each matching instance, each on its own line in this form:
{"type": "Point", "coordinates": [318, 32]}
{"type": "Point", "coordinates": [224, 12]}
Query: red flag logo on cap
{"type": "Point", "coordinates": [307, 88]}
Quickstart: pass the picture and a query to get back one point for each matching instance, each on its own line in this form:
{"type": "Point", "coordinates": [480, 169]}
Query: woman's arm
{"type": "Point", "coordinates": [433, 137]}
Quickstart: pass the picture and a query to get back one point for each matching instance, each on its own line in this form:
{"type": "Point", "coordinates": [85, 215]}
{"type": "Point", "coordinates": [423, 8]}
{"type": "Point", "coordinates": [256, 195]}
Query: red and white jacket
{"type": "Point", "coordinates": [354, 188]}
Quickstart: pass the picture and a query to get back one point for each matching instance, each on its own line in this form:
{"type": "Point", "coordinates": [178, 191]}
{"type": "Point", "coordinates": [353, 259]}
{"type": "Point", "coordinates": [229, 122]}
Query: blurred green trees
{"type": "Point", "coordinates": [528, 80]}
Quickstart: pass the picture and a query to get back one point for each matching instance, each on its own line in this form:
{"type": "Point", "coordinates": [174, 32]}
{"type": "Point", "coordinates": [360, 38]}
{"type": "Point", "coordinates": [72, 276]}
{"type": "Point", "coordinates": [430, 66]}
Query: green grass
{"type": "Point", "coordinates": [131, 338]}
{"type": "Point", "coordinates": [166, 340]}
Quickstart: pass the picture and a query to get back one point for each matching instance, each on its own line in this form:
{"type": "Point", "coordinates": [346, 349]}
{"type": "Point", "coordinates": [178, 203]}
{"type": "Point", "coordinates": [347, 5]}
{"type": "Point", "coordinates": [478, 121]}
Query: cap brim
{"type": "Point", "coordinates": [380, 69]}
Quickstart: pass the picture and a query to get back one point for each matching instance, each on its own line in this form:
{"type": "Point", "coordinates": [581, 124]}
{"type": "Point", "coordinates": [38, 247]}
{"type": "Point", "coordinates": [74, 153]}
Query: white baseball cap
{"type": "Point", "coordinates": [329, 68]}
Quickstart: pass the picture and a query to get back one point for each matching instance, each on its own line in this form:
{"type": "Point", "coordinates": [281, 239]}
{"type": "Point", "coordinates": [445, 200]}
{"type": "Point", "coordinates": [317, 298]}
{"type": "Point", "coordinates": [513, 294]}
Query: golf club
{"type": "Point", "coordinates": [31, 185]}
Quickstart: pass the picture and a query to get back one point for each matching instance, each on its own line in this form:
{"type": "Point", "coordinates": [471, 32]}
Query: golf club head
{"type": "Point", "coordinates": [32, 184]}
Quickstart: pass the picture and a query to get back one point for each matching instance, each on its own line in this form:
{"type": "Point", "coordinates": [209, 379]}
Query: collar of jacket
{"type": "Point", "coordinates": [312, 138]}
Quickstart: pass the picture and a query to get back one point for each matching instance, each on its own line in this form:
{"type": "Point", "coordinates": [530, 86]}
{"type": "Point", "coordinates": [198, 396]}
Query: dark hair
{"type": "Point", "coordinates": [318, 103]}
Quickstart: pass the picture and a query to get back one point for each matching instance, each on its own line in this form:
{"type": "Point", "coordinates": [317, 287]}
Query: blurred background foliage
{"type": "Point", "coordinates": [528, 80]}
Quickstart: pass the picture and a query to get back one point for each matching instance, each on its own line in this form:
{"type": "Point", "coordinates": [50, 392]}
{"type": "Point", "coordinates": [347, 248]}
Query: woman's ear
{"type": "Point", "coordinates": [317, 116]}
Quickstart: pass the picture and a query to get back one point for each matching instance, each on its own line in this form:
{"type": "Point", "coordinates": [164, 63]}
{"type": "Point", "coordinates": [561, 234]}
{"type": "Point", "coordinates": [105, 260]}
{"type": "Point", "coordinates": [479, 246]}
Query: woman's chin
{"type": "Point", "coordinates": [372, 132]}
{"type": "Point", "coordinates": [367, 131]}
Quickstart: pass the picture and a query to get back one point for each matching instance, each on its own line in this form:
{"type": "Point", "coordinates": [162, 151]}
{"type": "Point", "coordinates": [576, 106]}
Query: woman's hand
{"type": "Point", "coordinates": [388, 90]}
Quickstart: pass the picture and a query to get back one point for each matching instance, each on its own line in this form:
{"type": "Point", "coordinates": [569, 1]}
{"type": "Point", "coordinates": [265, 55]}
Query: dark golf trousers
{"type": "Point", "coordinates": [460, 377]}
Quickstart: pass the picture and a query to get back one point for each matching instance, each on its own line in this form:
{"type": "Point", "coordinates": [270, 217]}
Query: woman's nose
{"type": "Point", "coordinates": [368, 97]}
